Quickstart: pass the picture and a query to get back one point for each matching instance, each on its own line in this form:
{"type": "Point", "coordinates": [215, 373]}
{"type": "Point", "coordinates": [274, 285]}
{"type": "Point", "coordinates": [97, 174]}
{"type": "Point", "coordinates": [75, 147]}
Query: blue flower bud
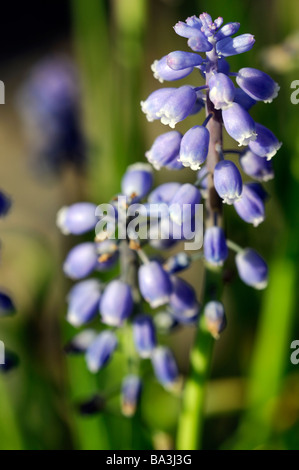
{"type": "Point", "coordinates": [183, 303]}
{"type": "Point", "coordinates": [215, 318]}
{"type": "Point", "coordinates": [177, 263]}
{"type": "Point", "coordinates": [130, 394]}
{"type": "Point", "coordinates": [116, 303]}
{"type": "Point", "coordinates": [228, 181]}
{"type": "Point", "coordinates": [100, 351]}
{"type": "Point", "coordinates": [7, 306]}
{"type": "Point", "coordinates": [257, 167]}
{"type": "Point", "coordinates": [232, 46]}
{"type": "Point", "coordinates": [163, 193]}
{"type": "Point", "coordinates": [215, 247]}
{"type": "Point", "coordinates": [152, 105]}
{"type": "Point", "coordinates": [178, 106]}
{"type": "Point", "coordinates": [77, 219]}
{"type": "Point", "coordinates": [165, 151]}
{"type": "Point", "coordinates": [165, 366]}
{"type": "Point", "coordinates": [162, 71]}
{"type": "Point", "coordinates": [243, 99]}
{"type": "Point", "coordinates": [192, 30]}
{"type": "Point", "coordinates": [144, 335]}
{"type": "Point", "coordinates": [137, 181]}
{"type": "Point", "coordinates": [259, 190]}
{"type": "Point", "coordinates": [154, 284]}
{"type": "Point", "coordinates": [258, 85]}
{"type": "Point", "coordinates": [179, 60]}
{"type": "Point", "coordinates": [250, 207]}
{"type": "Point", "coordinates": [252, 268]}
{"type": "Point", "coordinates": [227, 30]}
{"type": "Point", "coordinates": [239, 124]}
{"type": "Point", "coordinates": [266, 144]}
{"type": "Point", "coordinates": [83, 300]}
{"type": "Point", "coordinates": [5, 204]}
{"type": "Point", "coordinates": [222, 90]}
{"type": "Point", "coordinates": [81, 260]}
{"type": "Point", "coordinates": [194, 147]}
{"type": "Point", "coordinates": [184, 203]}
{"type": "Point", "coordinates": [80, 342]}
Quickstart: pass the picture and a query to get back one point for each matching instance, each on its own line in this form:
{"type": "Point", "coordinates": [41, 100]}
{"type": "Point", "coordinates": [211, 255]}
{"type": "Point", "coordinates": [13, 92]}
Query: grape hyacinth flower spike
{"type": "Point", "coordinates": [144, 279]}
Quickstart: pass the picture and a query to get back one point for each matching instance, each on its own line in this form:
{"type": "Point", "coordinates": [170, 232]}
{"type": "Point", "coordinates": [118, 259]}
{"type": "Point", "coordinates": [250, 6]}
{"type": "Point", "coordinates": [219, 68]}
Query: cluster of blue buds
{"type": "Point", "coordinates": [124, 302]}
{"type": "Point", "coordinates": [227, 103]}
{"type": "Point", "coordinates": [7, 306]}
{"type": "Point", "coordinates": [148, 298]}
{"type": "Point", "coordinates": [49, 103]}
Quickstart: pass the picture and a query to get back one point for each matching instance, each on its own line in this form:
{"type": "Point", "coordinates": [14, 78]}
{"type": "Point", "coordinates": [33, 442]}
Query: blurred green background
{"type": "Point", "coordinates": [253, 394]}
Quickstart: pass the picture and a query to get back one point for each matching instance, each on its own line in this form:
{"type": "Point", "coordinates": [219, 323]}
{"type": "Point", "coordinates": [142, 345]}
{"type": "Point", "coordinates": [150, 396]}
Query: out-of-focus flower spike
{"type": "Point", "coordinates": [227, 30]}
{"type": "Point", "coordinates": [162, 71]}
{"type": "Point", "coordinates": [222, 91]}
{"type": "Point", "coordinates": [5, 204]}
{"type": "Point", "coordinates": [243, 99]}
{"type": "Point", "coordinates": [152, 105]}
{"type": "Point", "coordinates": [215, 247]}
{"type": "Point", "coordinates": [239, 124]}
{"type": "Point", "coordinates": [100, 351]}
{"type": "Point", "coordinates": [77, 219]}
{"type": "Point", "coordinates": [137, 181]}
{"type": "Point", "coordinates": [164, 322]}
{"type": "Point", "coordinates": [81, 260]}
{"type": "Point", "coordinates": [228, 181]}
{"type": "Point", "coordinates": [116, 303]}
{"type": "Point", "coordinates": [252, 268]}
{"type": "Point", "coordinates": [194, 147]}
{"type": "Point", "coordinates": [266, 144]}
{"type": "Point", "coordinates": [144, 335]}
{"type": "Point", "coordinates": [165, 366]}
{"type": "Point", "coordinates": [215, 318]}
{"type": "Point", "coordinates": [84, 300]}
{"type": "Point", "coordinates": [250, 207]}
{"type": "Point", "coordinates": [7, 306]}
{"type": "Point", "coordinates": [165, 150]}
{"type": "Point", "coordinates": [154, 283]}
{"type": "Point", "coordinates": [130, 394]}
{"type": "Point", "coordinates": [79, 343]}
{"type": "Point", "coordinates": [231, 46]}
{"type": "Point", "coordinates": [257, 84]}
{"type": "Point", "coordinates": [179, 60]}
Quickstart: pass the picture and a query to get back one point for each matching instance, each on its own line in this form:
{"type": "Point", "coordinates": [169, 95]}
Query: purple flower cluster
{"type": "Point", "coordinates": [49, 103]}
{"type": "Point", "coordinates": [145, 282]}
{"type": "Point", "coordinates": [230, 102]}
{"type": "Point", "coordinates": [123, 301]}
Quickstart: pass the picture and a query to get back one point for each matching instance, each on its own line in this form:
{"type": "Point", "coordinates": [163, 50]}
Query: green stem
{"type": "Point", "coordinates": [191, 419]}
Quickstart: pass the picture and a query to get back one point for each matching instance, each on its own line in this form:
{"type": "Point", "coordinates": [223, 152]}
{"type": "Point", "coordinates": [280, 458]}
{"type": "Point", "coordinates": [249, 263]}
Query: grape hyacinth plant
{"type": "Point", "coordinates": [129, 304]}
